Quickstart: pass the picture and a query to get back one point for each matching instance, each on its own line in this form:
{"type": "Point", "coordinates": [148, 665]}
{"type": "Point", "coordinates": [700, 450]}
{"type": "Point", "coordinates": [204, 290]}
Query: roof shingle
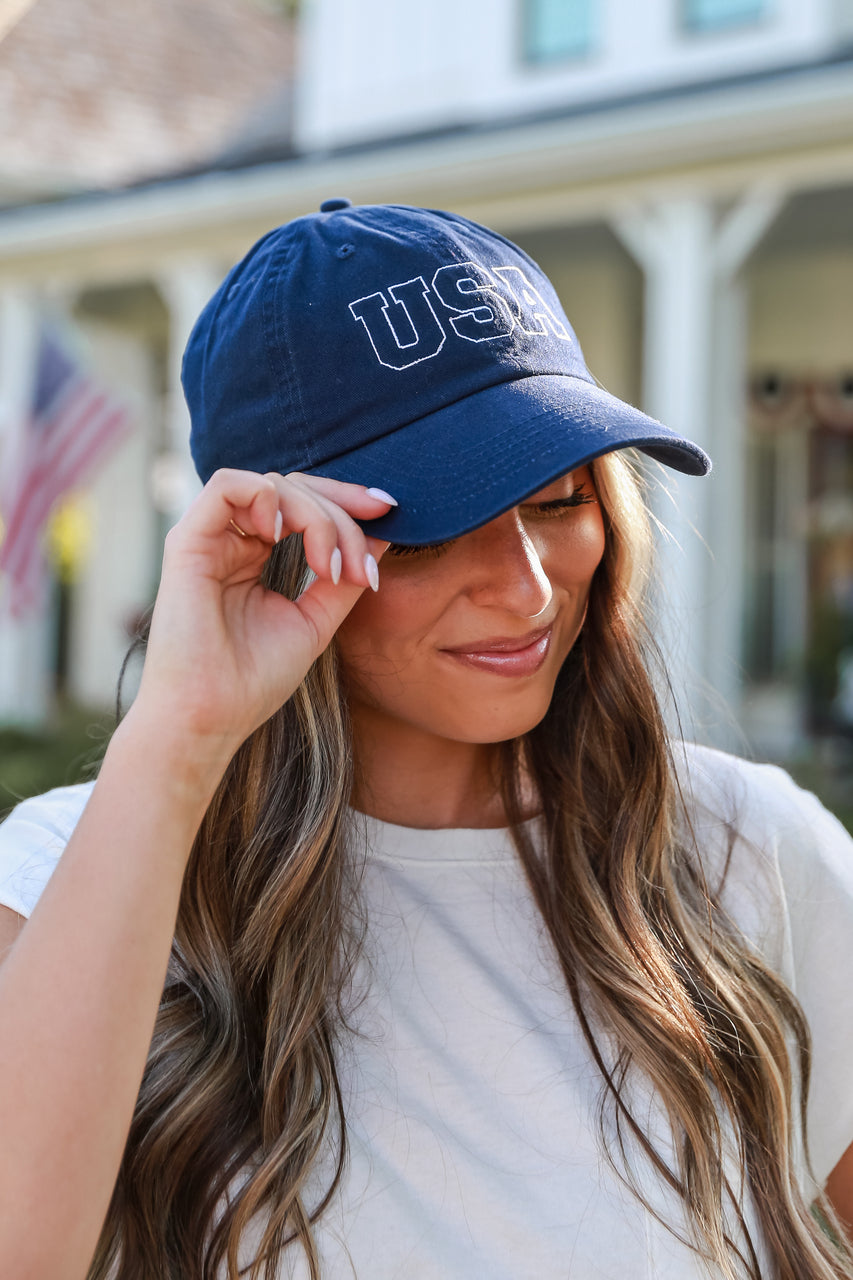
{"type": "Point", "coordinates": [96, 94]}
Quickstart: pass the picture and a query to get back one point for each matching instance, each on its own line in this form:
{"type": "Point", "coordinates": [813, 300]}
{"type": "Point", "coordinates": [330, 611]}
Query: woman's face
{"type": "Point", "coordinates": [464, 640]}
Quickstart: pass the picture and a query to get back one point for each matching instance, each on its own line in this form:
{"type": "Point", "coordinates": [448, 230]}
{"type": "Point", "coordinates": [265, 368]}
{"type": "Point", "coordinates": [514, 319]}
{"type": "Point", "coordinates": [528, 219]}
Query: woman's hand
{"type": "Point", "coordinates": [224, 653]}
{"type": "Point", "coordinates": [80, 988]}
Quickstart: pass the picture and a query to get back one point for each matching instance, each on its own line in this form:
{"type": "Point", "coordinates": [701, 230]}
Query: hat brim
{"type": "Point", "coordinates": [461, 466]}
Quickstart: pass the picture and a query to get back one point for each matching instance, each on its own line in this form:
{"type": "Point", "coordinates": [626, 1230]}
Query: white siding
{"type": "Point", "coordinates": [375, 68]}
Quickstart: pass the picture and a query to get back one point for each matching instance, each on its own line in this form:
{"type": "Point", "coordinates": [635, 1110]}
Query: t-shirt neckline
{"type": "Point", "coordinates": [391, 842]}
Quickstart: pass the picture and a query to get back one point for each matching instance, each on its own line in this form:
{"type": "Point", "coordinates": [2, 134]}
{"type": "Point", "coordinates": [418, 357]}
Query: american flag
{"type": "Point", "coordinates": [72, 425]}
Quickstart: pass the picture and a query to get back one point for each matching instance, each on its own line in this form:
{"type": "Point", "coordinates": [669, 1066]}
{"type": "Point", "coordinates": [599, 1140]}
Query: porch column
{"type": "Point", "coordinates": [737, 237]}
{"type": "Point", "coordinates": [185, 289]}
{"type": "Point", "coordinates": [693, 377]}
{"type": "Point", "coordinates": [25, 657]}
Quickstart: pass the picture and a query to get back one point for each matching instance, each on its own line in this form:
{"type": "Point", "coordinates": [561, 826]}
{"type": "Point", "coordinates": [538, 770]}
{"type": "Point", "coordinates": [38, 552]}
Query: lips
{"type": "Point", "coordinates": [505, 655]}
{"type": "Point", "coordinates": [500, 644]}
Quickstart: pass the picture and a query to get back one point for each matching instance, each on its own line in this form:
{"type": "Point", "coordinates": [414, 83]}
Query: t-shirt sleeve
{"type": "Point", "coordinates": [32, 839]}
{"type": "Point", "coordinates": [816, 867]}
{"type": "Point", "coordinates": [789, 887]}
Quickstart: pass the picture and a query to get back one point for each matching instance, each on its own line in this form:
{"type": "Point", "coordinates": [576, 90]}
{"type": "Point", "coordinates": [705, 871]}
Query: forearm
{"type": "Point", "coordinates": [79, 994]}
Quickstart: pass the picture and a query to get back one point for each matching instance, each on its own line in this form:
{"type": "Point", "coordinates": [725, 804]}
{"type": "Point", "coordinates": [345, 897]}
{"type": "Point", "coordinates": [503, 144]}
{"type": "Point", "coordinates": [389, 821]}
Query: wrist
{"type": "Point", "coordinates": [188, 766]}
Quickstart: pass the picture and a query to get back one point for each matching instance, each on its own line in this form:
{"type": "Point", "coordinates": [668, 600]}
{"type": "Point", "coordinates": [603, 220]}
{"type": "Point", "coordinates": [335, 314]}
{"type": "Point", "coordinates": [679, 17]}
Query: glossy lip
{"type": "Point", "coordinates": [505, 655]}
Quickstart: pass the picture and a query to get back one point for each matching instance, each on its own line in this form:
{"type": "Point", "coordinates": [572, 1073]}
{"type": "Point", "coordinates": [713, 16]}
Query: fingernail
{"type": "Point", "coordinates": [335, 566]}
{"type": "Point", "coordinates": [279, 524]}
{"type": "Point", "coordinates": [382, 496]}
{"type": "Point", "coordinates": [371, 568]}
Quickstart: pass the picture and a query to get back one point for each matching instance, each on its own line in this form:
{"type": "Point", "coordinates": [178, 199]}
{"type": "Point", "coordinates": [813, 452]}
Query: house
{"type": "Point", "coordinates": [683, 169]}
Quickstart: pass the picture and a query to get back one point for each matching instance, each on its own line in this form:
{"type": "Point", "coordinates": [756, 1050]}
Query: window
{"type": "Point", "coordinates": [714, 15]}
{"type": "Point", "coordinates": [557, 29]}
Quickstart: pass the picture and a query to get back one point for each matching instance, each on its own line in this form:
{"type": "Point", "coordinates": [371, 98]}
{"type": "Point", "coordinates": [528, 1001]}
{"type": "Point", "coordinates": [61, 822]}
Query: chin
{"type": "Point", "coordinates": [493, 729]}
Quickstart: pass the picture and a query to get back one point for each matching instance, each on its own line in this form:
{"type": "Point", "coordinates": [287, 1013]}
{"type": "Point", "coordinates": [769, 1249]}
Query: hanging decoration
{"type": "Point", "coordinates": [778, 400]}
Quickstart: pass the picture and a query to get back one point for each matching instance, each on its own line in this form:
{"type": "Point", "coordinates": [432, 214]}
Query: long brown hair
{"type": "Point", "coordinates": [241, 1092]}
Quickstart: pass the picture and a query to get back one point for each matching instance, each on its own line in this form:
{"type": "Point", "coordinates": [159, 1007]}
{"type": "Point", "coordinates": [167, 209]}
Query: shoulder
{"type": "Point", "coordinates": [779, 862]}
{"type": "Point", "coordinates": [774, 857]}
{"type": "Point", "coordinates": [757, 798]}
{"type": "Point", "coordinates": [32, 839]}
{"type": "Point", "coordinates": [788, 885]}
{"type": "Point", "coordinates": [758, 805]}
{"type": "Point", "coordinates": [782, 871]}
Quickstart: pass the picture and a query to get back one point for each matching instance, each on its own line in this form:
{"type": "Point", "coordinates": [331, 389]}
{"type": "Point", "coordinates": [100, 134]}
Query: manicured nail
{"type": "Point", "coordinates": [279, 525]}
{"type": "Point", "coordinates": [335, 566]}
{"type": "Point", "coordinates": [371, 568]}
{"type": "Point", "coordinates": [382, 496]}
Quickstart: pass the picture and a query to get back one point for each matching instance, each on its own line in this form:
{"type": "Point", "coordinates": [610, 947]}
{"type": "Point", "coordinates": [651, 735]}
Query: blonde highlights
{"type": "Point", "coordinates": [666, 990]}
{"type": "Point", "coordinates": [241, 1092]}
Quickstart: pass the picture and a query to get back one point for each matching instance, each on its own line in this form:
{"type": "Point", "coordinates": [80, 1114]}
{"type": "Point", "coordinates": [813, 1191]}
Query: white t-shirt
{"type": "Point", "coordinates": [470, 1096]}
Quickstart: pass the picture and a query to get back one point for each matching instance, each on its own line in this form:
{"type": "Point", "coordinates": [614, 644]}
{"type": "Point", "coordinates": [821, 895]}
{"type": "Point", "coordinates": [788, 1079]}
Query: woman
{"type": "Point", "coordinates": [469, 971]}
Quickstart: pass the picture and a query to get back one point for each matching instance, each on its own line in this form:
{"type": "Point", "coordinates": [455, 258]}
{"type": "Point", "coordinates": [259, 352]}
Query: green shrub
{"type": "Point", "coordinates": [67, 750]}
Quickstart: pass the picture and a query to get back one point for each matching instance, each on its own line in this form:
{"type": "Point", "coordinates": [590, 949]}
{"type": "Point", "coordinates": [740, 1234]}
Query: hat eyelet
{"type": "Point", "coordinates": [346, 250]}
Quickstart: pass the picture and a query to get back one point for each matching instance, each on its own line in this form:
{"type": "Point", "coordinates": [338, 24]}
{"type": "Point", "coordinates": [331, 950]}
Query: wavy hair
{"type": "Point", "coordinates": [241, 1093]}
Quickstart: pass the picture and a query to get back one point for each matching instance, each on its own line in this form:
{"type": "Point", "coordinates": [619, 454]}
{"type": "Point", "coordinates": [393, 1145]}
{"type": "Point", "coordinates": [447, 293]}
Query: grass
{"type": "Point", "coordinates": [67, 750]}
{"type": "Point", "coordinates": [833, 786]}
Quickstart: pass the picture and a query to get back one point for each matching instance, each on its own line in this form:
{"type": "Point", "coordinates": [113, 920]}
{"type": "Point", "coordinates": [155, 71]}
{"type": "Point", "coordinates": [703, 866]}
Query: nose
{"type": "Point", "coordinates": [506, 569]}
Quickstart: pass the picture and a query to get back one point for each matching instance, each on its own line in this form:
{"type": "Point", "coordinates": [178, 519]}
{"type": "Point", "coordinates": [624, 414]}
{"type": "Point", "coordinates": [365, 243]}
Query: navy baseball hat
{"type": "Point", "coordinates": [408, 349]}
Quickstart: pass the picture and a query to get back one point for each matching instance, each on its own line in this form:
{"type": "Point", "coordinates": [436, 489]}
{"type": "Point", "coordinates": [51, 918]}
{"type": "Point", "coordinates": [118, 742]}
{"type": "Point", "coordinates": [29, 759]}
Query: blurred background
{"type": "Point", "coordinates": [682, 169]}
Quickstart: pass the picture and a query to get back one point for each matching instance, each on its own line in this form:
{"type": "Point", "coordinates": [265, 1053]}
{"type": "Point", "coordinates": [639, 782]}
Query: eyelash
{"type": "Point", "coordinates": [578, 498]}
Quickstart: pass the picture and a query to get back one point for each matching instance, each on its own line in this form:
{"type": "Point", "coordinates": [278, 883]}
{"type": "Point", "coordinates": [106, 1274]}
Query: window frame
{"type": "Point", "coordinates": [694, 25]}
{"type": "Point", "coordinates": [534, 59]}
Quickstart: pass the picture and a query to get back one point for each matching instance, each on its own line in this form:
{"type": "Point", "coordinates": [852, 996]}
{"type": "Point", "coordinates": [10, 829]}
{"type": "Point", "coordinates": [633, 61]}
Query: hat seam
{"type": "Point", "coordinates": [452, 218]}
{"type": "Point", "coordinates": [280, 347]}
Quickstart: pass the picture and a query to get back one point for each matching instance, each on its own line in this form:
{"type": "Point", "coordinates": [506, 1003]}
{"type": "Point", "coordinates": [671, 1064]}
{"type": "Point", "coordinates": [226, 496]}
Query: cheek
{"type": "Point", "coordinates": [582, 547]}
{"type": "Point", "coordinates": [360, 634]}
{"type": "Point", "coordinates": [382, 626]}
{"type": "Point", "coordinates": [594, 538]}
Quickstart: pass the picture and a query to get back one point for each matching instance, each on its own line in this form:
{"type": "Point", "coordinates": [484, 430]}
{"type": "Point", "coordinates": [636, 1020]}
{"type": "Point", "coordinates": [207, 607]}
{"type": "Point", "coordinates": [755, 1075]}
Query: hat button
{"type": "Point", "coordinates": [335, 202]}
